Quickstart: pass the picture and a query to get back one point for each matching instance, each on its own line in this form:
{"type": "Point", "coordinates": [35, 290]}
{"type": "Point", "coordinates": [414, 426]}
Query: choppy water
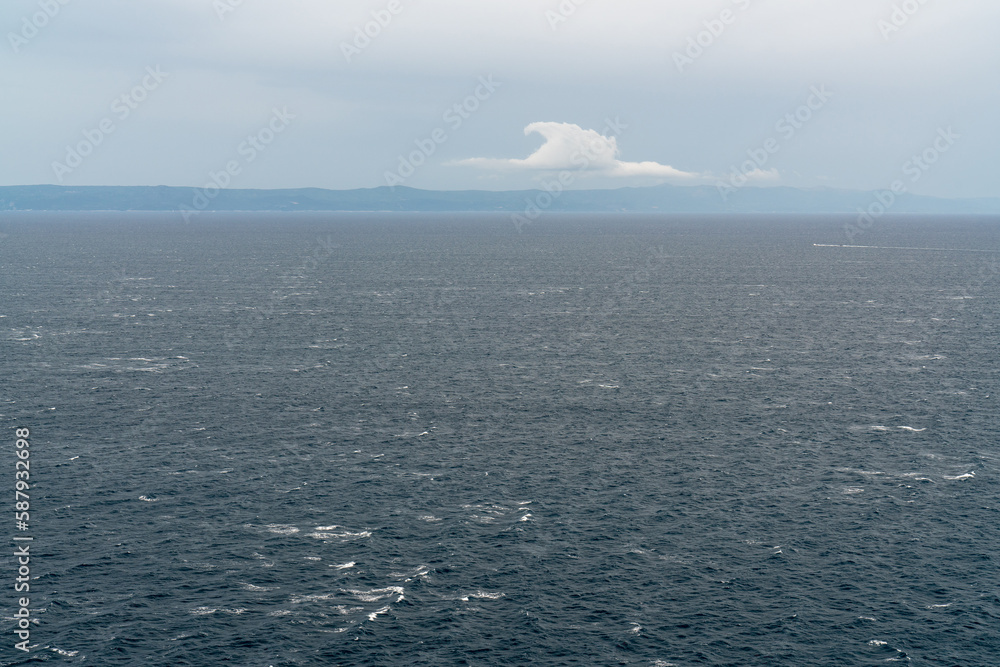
{"type": "Point", "coordinates": [425, 440]}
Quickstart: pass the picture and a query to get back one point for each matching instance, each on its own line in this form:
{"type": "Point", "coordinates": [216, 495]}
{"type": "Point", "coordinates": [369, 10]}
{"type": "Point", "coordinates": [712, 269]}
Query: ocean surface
{"type": "Point", "coordinates": [395, 439]}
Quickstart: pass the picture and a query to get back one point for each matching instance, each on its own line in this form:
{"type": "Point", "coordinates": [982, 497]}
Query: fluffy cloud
{"type": "Point", "coordinates": [569, 146]}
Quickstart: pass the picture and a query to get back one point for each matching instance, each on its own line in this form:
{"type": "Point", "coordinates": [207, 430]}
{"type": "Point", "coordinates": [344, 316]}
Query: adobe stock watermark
{"type": "Point", "coordinates": [31, 26]}
{"type": "Point", "coordinates": [787, 126]}
{"type": "Point", "coordinates": [455, 116]}
{"type": "Point", "coordinates": [22, 518]}
{"type": "Point", "coordinates": [914, 168]}
{"type": "Point", "coordinates": [363, 35]}
{"type": "Point", "coordinates": [225, 7]}
{"type": "Point", "coordinates": [122, 107]}
{"type": "Point", "coordinates": [562, 13]}
{"type": "Point", "coordinates": [901, 15]}
{"type": "Point", "coordinates": [706, 39]}
{"type": "Point", "coordinates": [248, 151]}
{"type": "Point", "coordinates": [553, 189]}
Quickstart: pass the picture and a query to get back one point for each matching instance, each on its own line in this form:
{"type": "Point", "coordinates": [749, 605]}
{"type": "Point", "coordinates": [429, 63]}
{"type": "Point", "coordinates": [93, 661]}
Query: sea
{"type": "Point", "coordinates": [349, 439]}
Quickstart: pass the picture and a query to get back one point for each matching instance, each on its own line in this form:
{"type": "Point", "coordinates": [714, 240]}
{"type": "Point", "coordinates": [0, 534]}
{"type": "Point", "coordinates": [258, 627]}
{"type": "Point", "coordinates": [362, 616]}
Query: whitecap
{"type": "Point", "coordinates": [861, 472]}
{"type": "Point", "coordinates": [913, 430]}
{"type": "Point", "coordinates": [483, 595]}
{"type": "Point", "coordinates": [299, 599]}
{"type": "Point", "coordinates": [203, 611]}
{"type": "Point", "coordinates": [375, 614]}
{"type": "Point", "coordinates": [419, 571]}
{"type": "Point", "coordinates": [281, 529]}
{"type": "Point", "coordinates": [147, 499]}
{"type": "Point", "coordinates": [345, 535]}
{"type": "Point", "coordinates": [968, 475]}
{"type": "Point", "coordinates": [916, 477]}
{"type": "Point", "coordinates": [251, 587]}
{"type": "Point", "coordinates": [347, 611]}
{"type": "Point", "coordinates": [490, 513]}
{"type": "Point", "coordinates": [345, 566]}
{"type": "Point", "coordinates": [261, 557]}
{"type": "Point", "coordinates": [376, 594]}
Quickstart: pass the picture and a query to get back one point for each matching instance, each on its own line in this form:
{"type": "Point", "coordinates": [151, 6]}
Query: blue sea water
{"type": "Point", "coordinates": [372, 440]}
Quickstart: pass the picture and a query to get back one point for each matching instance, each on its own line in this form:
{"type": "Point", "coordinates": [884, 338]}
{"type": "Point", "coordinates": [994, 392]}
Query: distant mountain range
{"type": "Point", "coordinates": [528, 203]}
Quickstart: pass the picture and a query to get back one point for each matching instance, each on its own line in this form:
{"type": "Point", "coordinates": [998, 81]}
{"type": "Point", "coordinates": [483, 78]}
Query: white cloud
{"type": "Point", "coordinates": [570, 147]}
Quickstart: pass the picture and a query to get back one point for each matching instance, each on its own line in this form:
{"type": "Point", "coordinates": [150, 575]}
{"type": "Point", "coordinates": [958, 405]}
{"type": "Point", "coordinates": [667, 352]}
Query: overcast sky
{"type": "Point", "coordinates": [498, 94]}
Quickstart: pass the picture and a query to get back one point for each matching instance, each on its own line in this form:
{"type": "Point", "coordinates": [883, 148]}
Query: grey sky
{"type": "Point", "coordinates": [222, 71]}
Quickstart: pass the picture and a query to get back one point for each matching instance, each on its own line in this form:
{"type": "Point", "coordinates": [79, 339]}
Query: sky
{"type": "Point", "coordinates": [502, 94]}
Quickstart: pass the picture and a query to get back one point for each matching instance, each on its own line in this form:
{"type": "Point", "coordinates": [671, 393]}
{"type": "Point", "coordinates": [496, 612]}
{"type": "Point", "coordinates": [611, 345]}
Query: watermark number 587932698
{"type": "Point", "coordinates": [22, 546]}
